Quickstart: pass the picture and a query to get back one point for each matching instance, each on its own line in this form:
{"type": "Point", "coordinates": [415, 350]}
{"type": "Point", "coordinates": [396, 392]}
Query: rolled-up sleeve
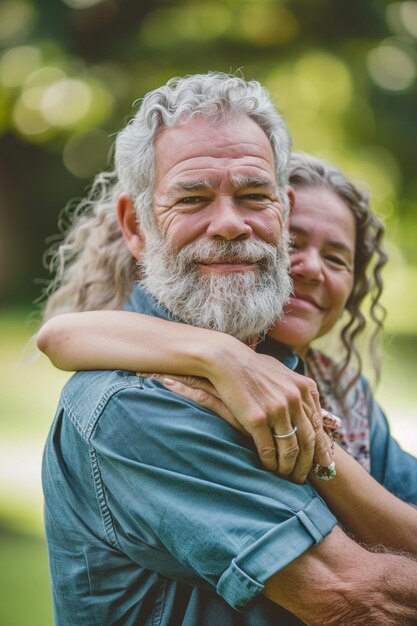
{"type": "Point", "coordinates": [189, 499]}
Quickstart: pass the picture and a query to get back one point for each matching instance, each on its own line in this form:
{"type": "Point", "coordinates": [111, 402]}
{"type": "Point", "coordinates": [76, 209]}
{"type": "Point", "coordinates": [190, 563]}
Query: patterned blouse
{"type": "Point", "coordinates": [354, 434]}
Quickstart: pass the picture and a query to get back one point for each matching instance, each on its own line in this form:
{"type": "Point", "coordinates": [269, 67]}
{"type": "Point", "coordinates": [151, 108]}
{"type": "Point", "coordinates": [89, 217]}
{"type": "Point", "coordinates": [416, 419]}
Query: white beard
{"type": "Point", "coordinates": [241, 304]}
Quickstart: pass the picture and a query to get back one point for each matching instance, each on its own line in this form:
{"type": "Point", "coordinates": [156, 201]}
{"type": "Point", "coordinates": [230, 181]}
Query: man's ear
{"type": "Point", "coordinates": [291, 197]}
{"type": "Point", "coordinates": [126, 214]}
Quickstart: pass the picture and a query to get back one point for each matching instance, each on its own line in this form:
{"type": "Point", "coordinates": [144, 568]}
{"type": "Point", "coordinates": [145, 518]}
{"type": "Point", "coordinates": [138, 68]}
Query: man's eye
{"type": "Point", "coordinates": [254, 196]}
{"type": "Point", "coordinates": [191, 200]}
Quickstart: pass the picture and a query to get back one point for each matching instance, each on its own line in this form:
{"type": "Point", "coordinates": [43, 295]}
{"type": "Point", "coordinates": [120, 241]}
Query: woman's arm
{"type": "Point", "coordinates": [367, 509]}
{"type": "Point", "coordinates": [261, 394]}
{"type": "Point", "coordinates": [364, 507]}
{"type": "Point", "coordinates": [132, 341]}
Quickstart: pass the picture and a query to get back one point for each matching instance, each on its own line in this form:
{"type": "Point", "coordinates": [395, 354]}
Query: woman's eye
{"type": "Point", "coordinates": [337, 261]}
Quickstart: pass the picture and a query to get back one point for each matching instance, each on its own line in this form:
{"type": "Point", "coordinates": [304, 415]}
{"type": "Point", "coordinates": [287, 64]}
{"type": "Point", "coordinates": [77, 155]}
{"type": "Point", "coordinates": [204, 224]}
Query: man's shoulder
{"type": "Point", "coordinates": [87, 394]}
{"type": "Point", "coordinates": [120, 400]}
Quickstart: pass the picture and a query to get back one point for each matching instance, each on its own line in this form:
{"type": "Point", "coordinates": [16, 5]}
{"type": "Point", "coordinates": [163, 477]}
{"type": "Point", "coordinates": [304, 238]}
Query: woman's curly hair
{"type": "Point", "coordinates": [309, 172]}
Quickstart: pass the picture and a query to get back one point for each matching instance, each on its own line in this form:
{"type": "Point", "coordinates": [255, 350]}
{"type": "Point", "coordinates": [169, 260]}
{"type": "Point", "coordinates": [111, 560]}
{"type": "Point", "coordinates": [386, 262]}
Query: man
{"type": "Point", "coordinates": [156, 511]}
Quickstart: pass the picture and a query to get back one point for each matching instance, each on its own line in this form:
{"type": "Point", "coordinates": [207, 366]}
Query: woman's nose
{"type": "Point", "coordinates": [307, 264]}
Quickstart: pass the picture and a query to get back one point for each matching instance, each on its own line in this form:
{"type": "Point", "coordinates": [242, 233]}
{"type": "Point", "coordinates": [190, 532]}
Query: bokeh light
{"type": "Point", "coordinates": [313, 93]}
{"type": "Point", "coordinates": [17, 64]}
{"type": "Point", "coordinates": [408, 13]}
{"type": "Point", "coordinates": [265, 24]}
{"type": "Point", "coordinates": [26, 115]}
{"type": "Point", "coordinates": [391, 67]}
{"type": "Point", "coordinates": [43, 77]}
{"type": "Point", "coordinates": [200, 22]}
{"type": "Point", "coordinates": [16, 20]}
{"type": "Point", "coordinates": [28, 121]}
{"type": "Point", "coordinates": [402, 17]}
{"type": "Point", "coordinates": [331, 78]}
{"type": "Point", "coordinates": [53, 101]}
{"type": "Point", "coordinates": [65, 102]}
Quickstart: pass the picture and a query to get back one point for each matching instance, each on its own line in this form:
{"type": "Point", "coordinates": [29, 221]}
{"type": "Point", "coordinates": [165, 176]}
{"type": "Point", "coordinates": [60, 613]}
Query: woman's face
{"type": "Point", "coordinates": [323, 233]}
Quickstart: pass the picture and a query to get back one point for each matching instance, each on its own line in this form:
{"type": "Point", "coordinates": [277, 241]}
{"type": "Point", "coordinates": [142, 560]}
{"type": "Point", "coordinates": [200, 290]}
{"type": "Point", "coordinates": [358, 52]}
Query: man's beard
{"type": "Point", "coordinates": [243, 304]}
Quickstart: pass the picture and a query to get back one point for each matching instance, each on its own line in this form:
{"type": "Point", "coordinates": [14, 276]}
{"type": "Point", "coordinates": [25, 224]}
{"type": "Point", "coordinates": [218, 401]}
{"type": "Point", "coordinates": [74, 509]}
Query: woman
{"type": "Point", "coordinates": [336, 245]}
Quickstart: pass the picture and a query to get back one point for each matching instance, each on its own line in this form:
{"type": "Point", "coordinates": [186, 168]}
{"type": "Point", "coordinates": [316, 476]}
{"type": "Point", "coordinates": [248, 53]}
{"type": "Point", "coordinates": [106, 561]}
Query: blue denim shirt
{"type": "Point", "coordinates": [158, 513]}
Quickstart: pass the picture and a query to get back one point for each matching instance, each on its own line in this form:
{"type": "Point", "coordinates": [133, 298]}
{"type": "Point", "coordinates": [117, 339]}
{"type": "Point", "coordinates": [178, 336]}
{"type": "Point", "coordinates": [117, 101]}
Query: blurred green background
{"type": "Point", "coordinates": [342, 73]}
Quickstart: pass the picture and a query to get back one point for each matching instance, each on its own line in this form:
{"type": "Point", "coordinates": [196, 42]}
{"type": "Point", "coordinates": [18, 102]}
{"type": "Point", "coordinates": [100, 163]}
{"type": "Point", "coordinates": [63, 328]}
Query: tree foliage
{"type": "Point", "coordinates": [343, 73]}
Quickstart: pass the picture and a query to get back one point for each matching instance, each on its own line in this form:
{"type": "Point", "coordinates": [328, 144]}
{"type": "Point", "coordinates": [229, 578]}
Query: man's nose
{"type": "Point", "coordinates": [307, 264]}
{"type": "Point", "coordinates": [227, 221]}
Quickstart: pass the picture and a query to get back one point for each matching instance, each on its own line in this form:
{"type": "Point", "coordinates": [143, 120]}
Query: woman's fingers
{"type": "Point", "coordinates": [306, 442]}
{"type": "Point", "coordinates": [295, 442]}
{"type": "Point", "coordinates": [261, 433]}
{"type": "Point", "coordinates": [287, 452]}
{"type": "Point", "coordinates": [311, 437]}
{"type": "Point", "coordinates": [322, 451]}
{"type": "Point", "coordinates": [202, 397]}
{"type": "Point", "coordinates": [190, 381]}
{"type": "Point", "coordinates": [323, 454]}
{"type": "Point", "coordinates": [266, 405]}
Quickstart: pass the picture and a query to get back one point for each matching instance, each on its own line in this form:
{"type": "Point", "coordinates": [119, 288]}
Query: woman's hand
{"type": "Point", "coordinates": [290, 457]}
{"type": "Point", "coordinates": [267, 398]}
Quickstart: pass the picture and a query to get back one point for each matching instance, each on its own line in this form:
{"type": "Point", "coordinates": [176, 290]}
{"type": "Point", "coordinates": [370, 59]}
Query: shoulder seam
{"type": "Point", "coordinates": [131, 381]}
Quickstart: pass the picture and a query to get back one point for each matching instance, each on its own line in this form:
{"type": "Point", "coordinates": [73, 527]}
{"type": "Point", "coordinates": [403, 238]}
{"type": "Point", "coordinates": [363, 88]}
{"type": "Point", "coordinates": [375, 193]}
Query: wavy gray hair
{"type": "Point", "coordinates": [92, 267]}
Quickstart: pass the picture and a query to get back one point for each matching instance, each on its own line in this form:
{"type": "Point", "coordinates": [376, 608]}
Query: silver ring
{"type": "Point", "coordinates": [292, 432]}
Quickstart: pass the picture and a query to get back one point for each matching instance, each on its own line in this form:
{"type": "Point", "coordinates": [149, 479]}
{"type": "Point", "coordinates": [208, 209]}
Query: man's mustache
{"type": "Point", "coordinates": [227, 251]}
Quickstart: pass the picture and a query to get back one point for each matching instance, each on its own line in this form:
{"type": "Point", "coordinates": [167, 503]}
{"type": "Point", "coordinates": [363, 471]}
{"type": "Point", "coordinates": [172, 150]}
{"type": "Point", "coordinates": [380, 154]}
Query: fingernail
{"type": "Point", "coordinates": [169, 382]}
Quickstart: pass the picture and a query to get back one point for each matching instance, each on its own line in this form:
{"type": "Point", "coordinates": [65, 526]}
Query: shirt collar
{"type": "Point", "coordinates": [283, 353]}
{"type": "Point", "coordinates": [141, 301]}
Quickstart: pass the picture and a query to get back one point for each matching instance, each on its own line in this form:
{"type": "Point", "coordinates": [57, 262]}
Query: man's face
{"type": "Point", "coordinates": [219, 260]}
{"type": "Point", "coordinates": [216, 182]}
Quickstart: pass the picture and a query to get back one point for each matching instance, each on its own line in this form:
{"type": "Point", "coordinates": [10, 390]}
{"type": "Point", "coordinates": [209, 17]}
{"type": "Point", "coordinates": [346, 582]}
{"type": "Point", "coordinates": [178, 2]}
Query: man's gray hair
{"type": "Point", "coordinates": [216, 96]}
{"type": "Point", "coordinates": [93, 268]}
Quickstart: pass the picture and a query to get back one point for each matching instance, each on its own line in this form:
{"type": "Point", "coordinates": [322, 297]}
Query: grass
{"type": "Point", "coordinates": [28, 397]}
{"type": "Point", "coordinates": [24, 581]}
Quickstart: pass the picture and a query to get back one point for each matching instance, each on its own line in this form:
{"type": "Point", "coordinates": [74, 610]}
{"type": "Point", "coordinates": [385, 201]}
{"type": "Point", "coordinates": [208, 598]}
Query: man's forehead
{"type": "Point", "coordinates": [236, 180]}
{"type": "Point", "coordinates": [198, 148]}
